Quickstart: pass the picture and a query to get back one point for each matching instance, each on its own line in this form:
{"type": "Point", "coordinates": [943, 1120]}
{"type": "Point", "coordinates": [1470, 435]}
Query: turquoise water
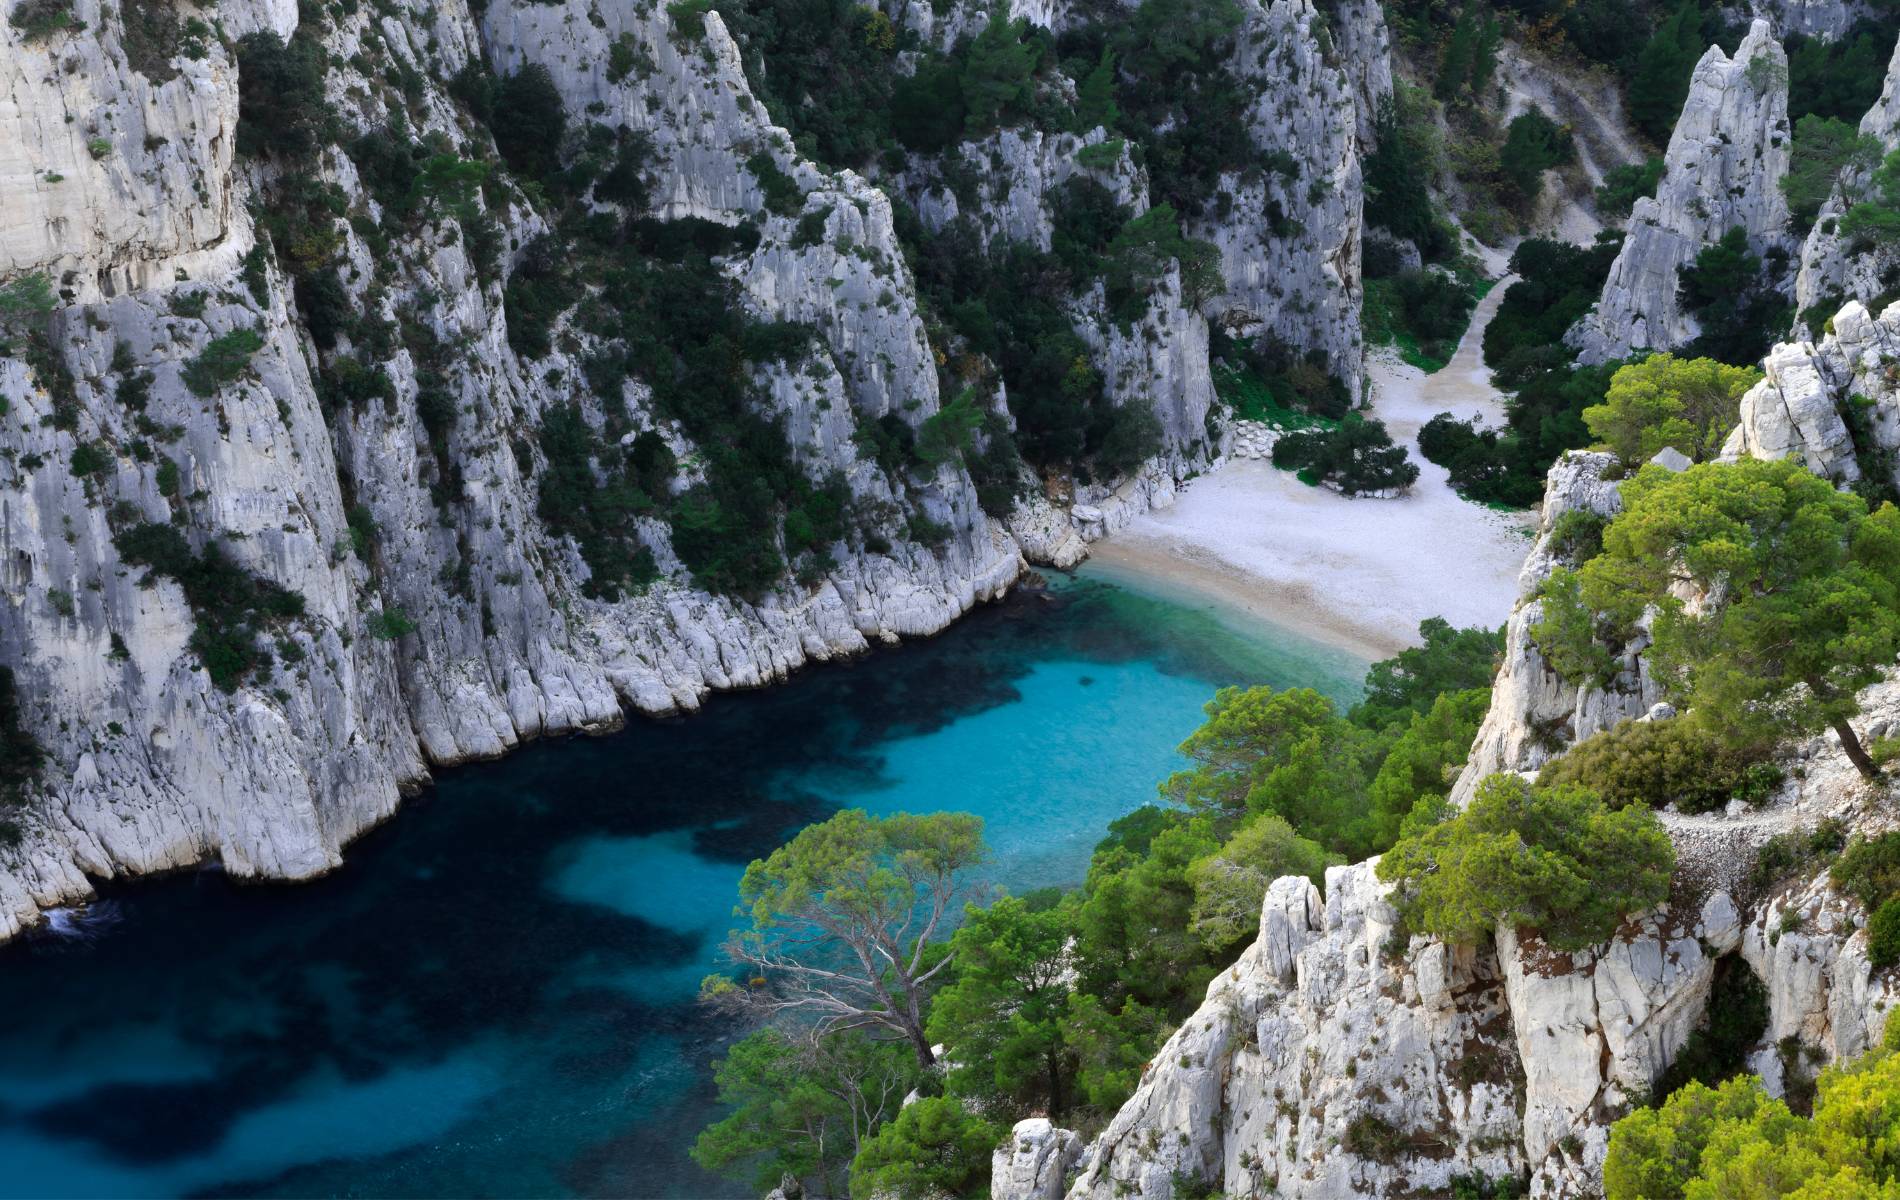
{"type": "Point", "coordinates": [494, 996]}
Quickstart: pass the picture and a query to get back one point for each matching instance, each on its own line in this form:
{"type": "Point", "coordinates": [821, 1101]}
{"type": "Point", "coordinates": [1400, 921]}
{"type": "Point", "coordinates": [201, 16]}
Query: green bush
{"type": "Point", "coordinates": [1577, 536]}
{"type": "Point", "coordinates": [282, 111]}
{"type": "Point", "coordinates": [390, 625]}
{"type": "Point", "coordinates": [1555, 859]}
{"type": "Point", "coordinates": [223, 359]}
{"type": "Point", "coordinates": [1869, 870]}
{"type": "Point", "coordinates": [1786, 853]}
{"type": "Point", "coordinates": [1533, 144]}
{"type": "Point", "coordinates": [232, 606]}
{"type": "Point", "coordinates": [20, 754]}
{"type": "Point", "coordinates": [933, 1147]}
{"type": "Point", "coordinates": [528, 121]}
{"type": "Point", "coordinates": [1883, 934]}
{"type": "Point", "coordinates": [1624, 185]}
{"type": "Point", "coordinates": [1357, 457]}
{"type": "Point", "coordinates": [37, 20]}
{"type": "Point", "coordinates": [1658, 763]}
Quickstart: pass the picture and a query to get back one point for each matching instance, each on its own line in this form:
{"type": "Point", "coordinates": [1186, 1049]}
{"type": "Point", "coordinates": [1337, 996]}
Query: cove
{"type": "Point", "coordinates": [494, 995]}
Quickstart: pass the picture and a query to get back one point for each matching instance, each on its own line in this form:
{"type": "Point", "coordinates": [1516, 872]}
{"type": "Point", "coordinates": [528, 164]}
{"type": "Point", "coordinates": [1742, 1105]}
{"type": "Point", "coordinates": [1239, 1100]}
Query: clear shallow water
{"type": "Point", "coordinates": [494, 996]}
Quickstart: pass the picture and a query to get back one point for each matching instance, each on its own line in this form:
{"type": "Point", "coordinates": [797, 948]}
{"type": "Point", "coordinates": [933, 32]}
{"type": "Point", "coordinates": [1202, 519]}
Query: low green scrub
{"type": "Point", "coordinates": [1356, 457]}
{"type": "Point", "coordinates": [1787, 854]}
{"type": "Point", "coordinates": [1869, 870]}
{"type": "Point", "coordinates": [1422, 313]}
{"type": "Point", "coordinates": [222, 361]}
{"type": "Point", "coordinates": [1736, 1140]}
{"type": "Point", "coordinates": [233, 607]}
{"type": "Point", "coordinates": [1667, 762]}
{"type": "Point", "coordinates": [1557, 860]}
{"type": "Point", "coordinates": [1623, 186]}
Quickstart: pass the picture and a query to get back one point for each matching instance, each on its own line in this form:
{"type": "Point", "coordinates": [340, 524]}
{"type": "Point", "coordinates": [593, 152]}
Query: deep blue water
{"type": "Point", "coordinates": [494, 995]}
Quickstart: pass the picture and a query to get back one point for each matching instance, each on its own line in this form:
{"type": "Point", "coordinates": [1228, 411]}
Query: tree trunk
{"type": "Point", "coordinates": [921, 1045]}
{"type": "Point", "coordinates": [1055, 1088]}
{"type": "Point", "coordinates": [1856, 754]}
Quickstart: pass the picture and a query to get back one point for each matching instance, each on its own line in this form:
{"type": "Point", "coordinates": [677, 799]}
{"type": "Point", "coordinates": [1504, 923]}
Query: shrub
{"type": "Point", "coordinates": [1658, 763]}
{"type": "Point", "coordinates": [38, 20]}
{"type": "Point", "coordinates": [1577, 535]}
{"type": "Point", "coordinates": [1356, 457]}
{"type": "Point", "coordinates": [932, 1147]}
{"type": "Point", "coordinates": [223, 359]}
{"type": "Point", "coordinates": [529, 121]}
{"type": "Point", "coordinates": [1533, 144]}
{"type": "Point", "coordinates": [26, 299]}
{"type": "Point", "coordinates": [1869, 870]}
{"type": "Point", "coordinates": [782, 193]}
{"type": "Point", "coordinates": [390, 624]}
{"type": "Point", "coordinates": [1555, 859]}
{"type": "Point", "coordinates": [232, 606]}
{"type": "Point", "coordinates": [1883, 934]}
{"type": "Point", "coordinates": [89, 459]}
{"type": "Point", "coordinates": [1785, 853]}
{"type": "Point", "coordinates": [1624, 185]}
{"type": "Point", "coordinates": [1735, 1140]}
{"type": "Point", "coordinates": [1690, 404]}
{"type": "Point", "coordinates": [282, 111]}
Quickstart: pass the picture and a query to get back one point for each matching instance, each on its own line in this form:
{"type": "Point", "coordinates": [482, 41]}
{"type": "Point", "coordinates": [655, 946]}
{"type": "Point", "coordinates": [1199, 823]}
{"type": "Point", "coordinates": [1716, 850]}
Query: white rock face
{"type": "Point", "coordinates": [1033, 1163]}
{"type": "Point", "coordinates": [1328, 1062]}
{"type": "Point", "coordinates": [1290, 245]}
{"type": "Point", "coordinates": [116, 179]}
{"type": "Point", "coordinates": [150, 765]}
{"type": "Point", "coordinates": [1322, 1064]}
{"type": "Point", "coordinates": [1535, 714]}
{"type": "Point", "coordinates": [1832, 272]}
{"type": "Point", "coordinates": [1801, 405]}
{"type": "Point", "coordinates": [1723, 170]}
{"type": "Point", "coordinates": [1828, 20]}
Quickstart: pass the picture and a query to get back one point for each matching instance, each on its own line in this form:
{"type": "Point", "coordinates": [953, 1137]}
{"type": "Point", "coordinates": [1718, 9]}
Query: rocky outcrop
{"type": "Point", "coordinates": [1034, 1162]}
{"type": "Point", "coordinates": [1289, 241]}
{"type": "Point", "coordinates": [1334, 1059]}
{"type": "Point", "coordinates": [1835, 404]}
{"type": "Point", "coordinates": [1828, 20]}
{"type": "Point", "coordinates": [1832, 272]}
{"type": "Point", "coordinates": [1535, 713]}
{"type": "Point", "coordinates": [1722, 171]}
{"type": "Point", "coordinates": [1326, 1062]}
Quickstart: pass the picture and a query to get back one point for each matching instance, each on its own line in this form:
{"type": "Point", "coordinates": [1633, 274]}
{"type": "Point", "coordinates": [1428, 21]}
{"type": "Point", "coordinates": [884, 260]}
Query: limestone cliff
{"type": "Point", "coordinates": [1722, 171]}
{"type": "Point", "coordinates": [1832, 272]}
{"type": "Point", "coordinates": [372, 459]}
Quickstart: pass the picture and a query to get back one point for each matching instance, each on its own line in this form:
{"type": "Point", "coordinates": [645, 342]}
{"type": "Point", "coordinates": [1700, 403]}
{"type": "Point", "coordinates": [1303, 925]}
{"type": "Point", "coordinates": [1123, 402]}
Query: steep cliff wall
{"type": "Point", "coordinates": [272, 502]}
{"type": "Point", "coordinates": [1831, 271]}
{"type": "Point", "coordinates": [1722, 171]}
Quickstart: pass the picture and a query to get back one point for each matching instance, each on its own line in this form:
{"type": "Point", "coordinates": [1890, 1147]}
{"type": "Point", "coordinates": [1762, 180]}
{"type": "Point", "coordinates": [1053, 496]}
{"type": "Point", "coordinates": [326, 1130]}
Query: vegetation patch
{"type": "Point", "coordinates": [233, 607]}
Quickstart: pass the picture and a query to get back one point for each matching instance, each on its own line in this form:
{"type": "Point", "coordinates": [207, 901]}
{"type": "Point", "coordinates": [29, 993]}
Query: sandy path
{"type": "Point", "coordinates": [1359, 574]}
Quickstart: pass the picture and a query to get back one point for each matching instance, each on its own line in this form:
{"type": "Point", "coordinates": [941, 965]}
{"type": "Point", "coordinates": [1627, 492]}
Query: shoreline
{"type": "Point", "coordinates": [1190, 576]}
{"type": "Point", "coordinates": [1355, 574]}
